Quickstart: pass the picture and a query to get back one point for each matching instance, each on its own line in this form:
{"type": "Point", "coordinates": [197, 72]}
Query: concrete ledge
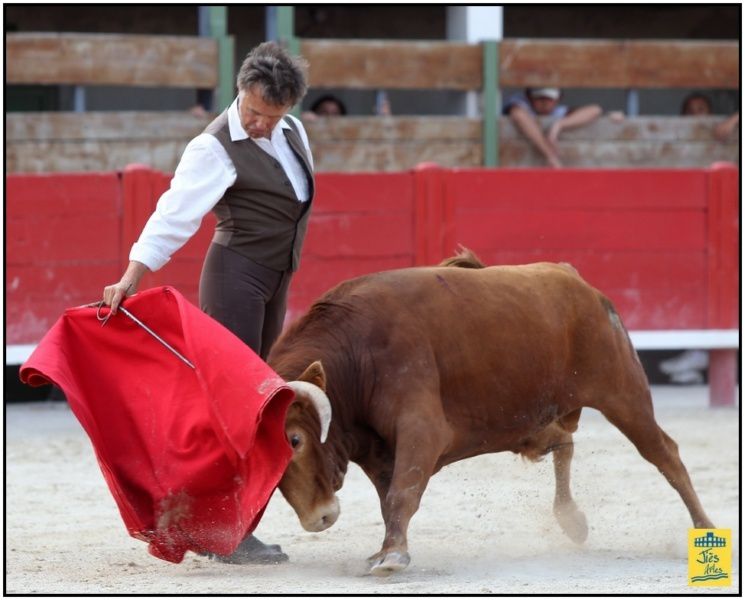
{"type": "Point", "coordinates": [18, 354]}
{"type": "Point", "coordinates": [699, 339]}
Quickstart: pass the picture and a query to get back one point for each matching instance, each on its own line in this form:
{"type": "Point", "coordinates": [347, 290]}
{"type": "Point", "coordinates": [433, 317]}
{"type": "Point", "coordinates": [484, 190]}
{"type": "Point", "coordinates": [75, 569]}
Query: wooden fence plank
{"type": "Point", "coordinates": [54, 142]}
{"type": "Point", "coordinates": [611, 153]}
{"type": "Point", "coordinates": [524, 62]}
{"type": "Point", "coordinates": [111, 59]}
{"type": "Point", "coordinates": [385, 157]}
{"type": "Point", "coordinates": [398, 129]}
{"type": "Point", "coordinates": [95, 155]}
{"type": "Point", "coordinates": [619, 64]}
{"type": "Point", "coordinates": [633, 129]}
{"type": "Point", "coordinates": [182, 61]}
{"type": "Point", "coordinates": [364, 144]}
{"type": "Point", "coordinates": [131, 125]}
{"type": "Point", "coordinates": [108, 125]}
{"type": "Point", "coordinates": [393, 64]}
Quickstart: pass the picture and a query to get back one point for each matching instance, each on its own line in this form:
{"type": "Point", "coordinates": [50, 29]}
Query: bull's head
{"type": "Point", "coordinates": [310, 480]}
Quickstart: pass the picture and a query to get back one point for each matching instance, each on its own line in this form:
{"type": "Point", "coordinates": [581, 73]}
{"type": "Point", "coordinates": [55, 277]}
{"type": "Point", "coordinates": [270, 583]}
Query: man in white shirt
{"type": "Point", "coordinates": [253, 167]}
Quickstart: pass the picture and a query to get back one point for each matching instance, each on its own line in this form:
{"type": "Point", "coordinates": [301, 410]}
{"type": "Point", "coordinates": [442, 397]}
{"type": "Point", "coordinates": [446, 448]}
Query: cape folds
{"type": "Point", "coordinates": [191, 455]}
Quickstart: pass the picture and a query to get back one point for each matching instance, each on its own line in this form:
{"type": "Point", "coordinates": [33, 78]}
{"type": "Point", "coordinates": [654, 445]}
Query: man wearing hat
{"type": "Point", "coordinates": [544, 102]}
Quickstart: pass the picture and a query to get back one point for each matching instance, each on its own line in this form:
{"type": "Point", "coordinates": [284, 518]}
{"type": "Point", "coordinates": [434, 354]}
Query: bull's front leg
{"type": "Point", "coordinates": [417, 452]}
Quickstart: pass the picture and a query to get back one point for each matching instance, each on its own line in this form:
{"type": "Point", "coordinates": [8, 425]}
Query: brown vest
{"type": "Point", "coordinates": [260, 216]}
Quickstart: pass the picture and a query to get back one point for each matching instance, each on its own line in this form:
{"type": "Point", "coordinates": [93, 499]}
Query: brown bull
{"type": "Point", "coordinates": [422, 367]}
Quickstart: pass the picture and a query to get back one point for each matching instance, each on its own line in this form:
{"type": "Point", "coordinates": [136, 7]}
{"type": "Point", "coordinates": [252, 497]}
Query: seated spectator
{"type": "Point", "coordinates": [696, 104]}
{"type": "Point", "coordinates": [540, 102]}
{"type": "Point", "coordinates": [325, 106]}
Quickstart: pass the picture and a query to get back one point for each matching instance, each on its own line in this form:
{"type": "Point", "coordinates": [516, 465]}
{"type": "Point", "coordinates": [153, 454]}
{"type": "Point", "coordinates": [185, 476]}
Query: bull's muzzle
{"type": "Point", "coordinates": [322, 517]}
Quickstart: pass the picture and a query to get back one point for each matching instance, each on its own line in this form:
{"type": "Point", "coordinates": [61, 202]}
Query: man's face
{"type": "Point", "coordinates": [257, 117]}
{"type": "Point", "coordinates": [543, 105]}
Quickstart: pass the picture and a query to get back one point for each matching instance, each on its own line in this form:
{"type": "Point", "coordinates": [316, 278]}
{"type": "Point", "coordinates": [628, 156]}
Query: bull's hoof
{"type": "Point", "coordinates": [385, 564]}
{"type": "Point", "coordinates": [572, 521]}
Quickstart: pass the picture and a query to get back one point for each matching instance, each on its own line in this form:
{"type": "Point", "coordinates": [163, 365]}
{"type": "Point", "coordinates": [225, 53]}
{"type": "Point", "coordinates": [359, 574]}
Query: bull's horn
{"type": "Point", "coordinates": [320, 401]}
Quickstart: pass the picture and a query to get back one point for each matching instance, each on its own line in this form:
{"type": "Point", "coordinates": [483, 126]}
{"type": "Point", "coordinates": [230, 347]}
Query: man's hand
{"type": "Point", "coordinates": [115, 293]}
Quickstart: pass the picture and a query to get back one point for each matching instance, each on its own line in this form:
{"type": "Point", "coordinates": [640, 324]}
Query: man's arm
{"type": "Point", "coordinates": [583, 115]}
{"type": "Point", "coordinates": [531, 129]}
{"type": "Point", "coordinates": [201, 178]}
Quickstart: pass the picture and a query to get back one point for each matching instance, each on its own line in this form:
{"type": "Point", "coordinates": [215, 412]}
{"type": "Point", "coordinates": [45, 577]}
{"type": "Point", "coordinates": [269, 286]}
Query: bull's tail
{"type": "Point", "coordinates": [465, 259]}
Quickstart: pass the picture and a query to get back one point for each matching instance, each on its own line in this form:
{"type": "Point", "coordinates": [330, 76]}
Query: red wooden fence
{"type": "Point", "coordinates": [662, 244]}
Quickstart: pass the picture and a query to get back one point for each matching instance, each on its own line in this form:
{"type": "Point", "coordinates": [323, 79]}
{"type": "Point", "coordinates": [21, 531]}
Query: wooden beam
{"type": "Point", "coordinates": [393, 64]}
{"type": "Point", "coordinates": [619, 63]}
{"type": "Point", "coordinates": [102, 141]}
{"type": "Point", "coordinates": [680, 130]}
{"type": "Point", "coordinates": [111, 59]}
{"type": "Point", "coordinates": [393, 129]}
{"type": "Point", "coordinates": [352, 144]}
{"type": "Point", "coordinates": [113, 125]}
{"type": "Point", "coordinates": [182, 61]}
{"type": "Point", "coordinates": [640, 142]}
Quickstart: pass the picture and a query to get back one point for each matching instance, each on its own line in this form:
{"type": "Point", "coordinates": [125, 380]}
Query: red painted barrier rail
{"type": "Point", "coordinates": [662, 244]}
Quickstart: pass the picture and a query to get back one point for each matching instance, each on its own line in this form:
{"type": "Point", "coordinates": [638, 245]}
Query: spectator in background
{"type": "Point", "coordinates": [544, 102]}
{"type": "Point", "coordinates": [696, 104]}
{"type": "Point", "coordinates": [325, 106]}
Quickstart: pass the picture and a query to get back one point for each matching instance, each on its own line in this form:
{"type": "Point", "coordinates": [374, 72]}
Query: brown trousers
{"type": "Point", "coordinates": [246, 297]}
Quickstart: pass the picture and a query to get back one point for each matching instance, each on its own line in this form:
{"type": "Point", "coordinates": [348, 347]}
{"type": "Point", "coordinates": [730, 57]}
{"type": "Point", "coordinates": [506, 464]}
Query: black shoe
{"type": "Point", "coordinates": [252, 551]}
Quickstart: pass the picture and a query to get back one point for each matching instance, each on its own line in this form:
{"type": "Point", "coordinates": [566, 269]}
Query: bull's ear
{"type": "Point", "coordinates": [315, 374]}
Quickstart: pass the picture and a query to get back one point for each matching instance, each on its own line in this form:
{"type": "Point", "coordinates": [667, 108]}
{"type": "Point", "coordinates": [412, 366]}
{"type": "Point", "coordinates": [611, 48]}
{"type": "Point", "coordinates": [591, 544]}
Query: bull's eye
{"type": "Point", "coordinates": [295, 440]}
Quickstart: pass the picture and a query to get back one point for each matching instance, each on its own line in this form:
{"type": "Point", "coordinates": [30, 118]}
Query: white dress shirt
{"type": "Point", "coordinates": [201, 178]}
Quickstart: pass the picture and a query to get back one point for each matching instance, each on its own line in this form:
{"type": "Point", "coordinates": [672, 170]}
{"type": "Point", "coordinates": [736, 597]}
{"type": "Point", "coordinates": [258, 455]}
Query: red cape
{"type": "Point", "coordinates": [191, 456]}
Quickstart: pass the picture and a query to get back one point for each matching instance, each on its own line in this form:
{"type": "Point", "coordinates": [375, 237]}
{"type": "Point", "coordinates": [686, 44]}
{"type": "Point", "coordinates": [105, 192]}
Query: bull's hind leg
{"type": "Point", "coordinates": [569, 516]}
{"type": "Point", "coordinates": [634, 416]}
{"type": "Point", "coordinates": [557, 438]}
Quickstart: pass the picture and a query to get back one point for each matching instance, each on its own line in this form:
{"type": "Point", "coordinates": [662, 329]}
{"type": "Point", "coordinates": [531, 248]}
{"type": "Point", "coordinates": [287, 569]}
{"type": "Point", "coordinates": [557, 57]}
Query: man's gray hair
{"type": "Point", "coordinates": [280, 76]}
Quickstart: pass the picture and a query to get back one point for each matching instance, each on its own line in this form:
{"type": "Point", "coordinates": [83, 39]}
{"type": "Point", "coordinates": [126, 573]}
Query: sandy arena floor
{"type": "Point", "coordinates": [485, 525]}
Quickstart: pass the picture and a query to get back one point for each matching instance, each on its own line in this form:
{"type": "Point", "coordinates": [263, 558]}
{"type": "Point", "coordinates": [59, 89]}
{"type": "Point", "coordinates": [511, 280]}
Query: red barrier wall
{"type": "Point", "coordinates": [62, 240]}
{"type": "Point", "coordinates": [640, 237]}
{"type": "Point", "coordinates": [662, 244]}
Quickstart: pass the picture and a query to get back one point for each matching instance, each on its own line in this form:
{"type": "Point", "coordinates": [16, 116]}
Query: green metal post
{"type": "Point", "coordinates": [491, 104]}
{"type": "Point", "coordinates": [225, 92]}
{"type": "Point", "coordinates": [286, 36]}
{"type": "Point", "coordinates": [286, 28]}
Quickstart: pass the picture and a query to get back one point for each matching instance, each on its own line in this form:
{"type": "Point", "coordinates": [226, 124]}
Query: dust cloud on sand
{"type": "Point", "coordinates": [485, 525]}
